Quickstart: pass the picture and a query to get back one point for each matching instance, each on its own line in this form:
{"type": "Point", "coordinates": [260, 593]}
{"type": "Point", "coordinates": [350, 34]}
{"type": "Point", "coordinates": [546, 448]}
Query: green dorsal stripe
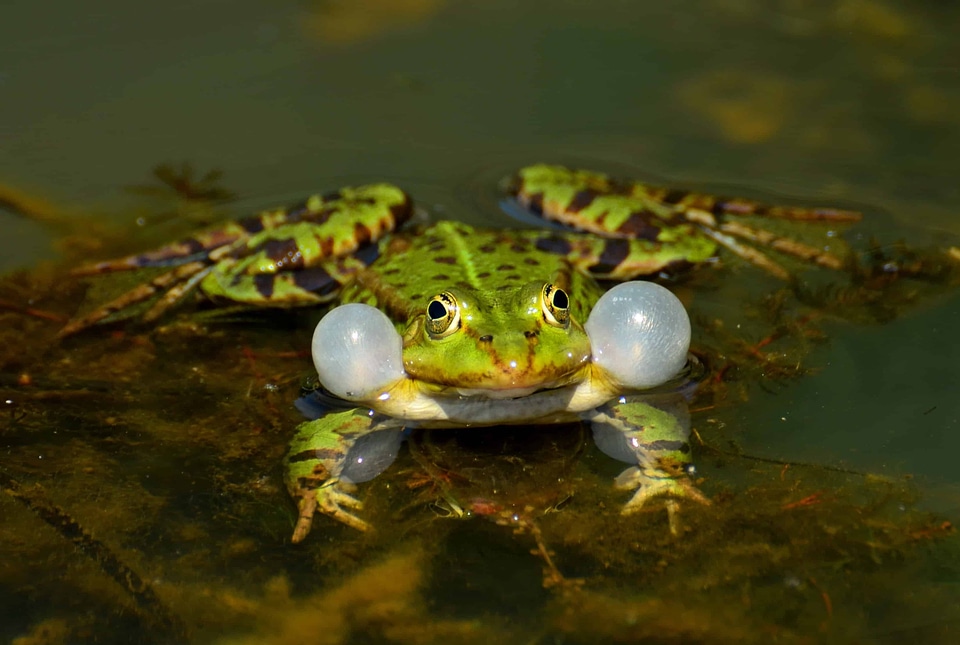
{"type": "Point", "coordinates": [462, 251]}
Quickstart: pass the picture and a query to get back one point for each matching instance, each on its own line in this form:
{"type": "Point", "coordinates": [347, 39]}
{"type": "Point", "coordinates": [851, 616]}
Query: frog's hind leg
{"type": "Point", "coordinates": [594, 203]}
{"type": "Point", "coordinates": [195, 248]}
{"type": "Point", "coordinates": [176, 293]}
{"type": "Point", "coordinates": [782, 244]}
{"type": "Point", "coordinates": [748, 253]}
{"type": "Point", "coordinates": [193, 258]}
{"type": "Point", "coordinates": [218, 241]}
{"type": "Point", "coordinates": [302, 287]}
{"type": "Point", "coordinates": [711, 206]}
{"type": "Point", "coordinates": [711, 212]}
{"type": "Point", "coordinates": [179, 281]}
{"type": "Point", "coordinates": [318, 458]}
{"type": "Point", "coordinates": [655, 440]}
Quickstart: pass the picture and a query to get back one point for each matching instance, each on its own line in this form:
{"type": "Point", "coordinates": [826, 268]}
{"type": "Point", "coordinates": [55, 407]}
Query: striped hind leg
{"type": "Point", "coordinates": [183, 274]}
{"type": "Point", "coordinates": [711, 213]}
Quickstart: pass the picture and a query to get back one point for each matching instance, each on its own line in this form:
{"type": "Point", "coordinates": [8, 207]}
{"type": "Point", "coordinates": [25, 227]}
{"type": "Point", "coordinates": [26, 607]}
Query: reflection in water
{"type": "Point", "coordinates": [342, 22]}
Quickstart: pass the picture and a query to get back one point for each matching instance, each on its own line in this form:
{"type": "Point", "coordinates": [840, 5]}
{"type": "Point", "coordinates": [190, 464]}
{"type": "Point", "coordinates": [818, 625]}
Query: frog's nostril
{"type": "Point", "coordinates": [486, 339]}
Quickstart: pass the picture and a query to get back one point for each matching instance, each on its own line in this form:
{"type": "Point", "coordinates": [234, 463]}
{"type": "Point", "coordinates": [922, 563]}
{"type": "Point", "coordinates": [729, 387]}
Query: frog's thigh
{"type": "Point", "coordinates": [310, 286]}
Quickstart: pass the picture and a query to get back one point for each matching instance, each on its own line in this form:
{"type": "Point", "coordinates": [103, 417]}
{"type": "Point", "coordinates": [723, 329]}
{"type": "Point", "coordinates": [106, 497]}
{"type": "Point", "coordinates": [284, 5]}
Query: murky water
{"type": "Point", "coordinates": [164, 448]}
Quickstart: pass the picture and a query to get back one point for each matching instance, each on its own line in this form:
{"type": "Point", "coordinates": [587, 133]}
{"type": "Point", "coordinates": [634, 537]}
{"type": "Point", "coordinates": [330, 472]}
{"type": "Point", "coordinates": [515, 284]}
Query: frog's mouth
{"type": "Point", "coordinates": [503, 393]}
{"type": "Point", "coordinates": [416, 402]}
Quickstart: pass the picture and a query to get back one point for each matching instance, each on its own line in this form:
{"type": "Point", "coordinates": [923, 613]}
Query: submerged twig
{"type": "Point", "coordinates": [786, 463]}
{"type": "Point", "coordinates": [151, 607]}
{"type": "Point", "coordinates": [31, 311]}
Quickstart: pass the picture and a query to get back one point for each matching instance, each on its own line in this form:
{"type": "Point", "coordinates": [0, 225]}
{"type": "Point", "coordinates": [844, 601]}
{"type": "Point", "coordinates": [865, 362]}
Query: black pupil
{"type": "Point", "coordinates": [560, 300]}
{"type": "Point", "coordinates": [436, 310]}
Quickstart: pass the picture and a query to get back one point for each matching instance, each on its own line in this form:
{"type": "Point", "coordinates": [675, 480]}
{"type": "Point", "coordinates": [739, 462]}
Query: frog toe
{"type": "Point", "coordinates": [333, 501]}
{"type": "Point", "coordinates": [651, 485]}
{"type": "Point", "coordinates": [330, 500]}
{"type": "Point", "coordinates": [307, 507]}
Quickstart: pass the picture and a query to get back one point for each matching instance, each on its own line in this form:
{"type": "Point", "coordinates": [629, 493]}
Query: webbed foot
{"type": "Point", "coordinates": [330, 499]}
{"type": "Point", "coordinates": [649, 485]}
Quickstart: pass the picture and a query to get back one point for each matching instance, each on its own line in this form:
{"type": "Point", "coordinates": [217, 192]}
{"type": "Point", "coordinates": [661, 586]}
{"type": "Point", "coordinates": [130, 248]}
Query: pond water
{"type": "Point", "coordinates": [153, 456]}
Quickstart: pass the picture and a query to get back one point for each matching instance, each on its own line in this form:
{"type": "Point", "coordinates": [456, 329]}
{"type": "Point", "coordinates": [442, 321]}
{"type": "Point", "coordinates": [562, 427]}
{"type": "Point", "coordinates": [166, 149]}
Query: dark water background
{"type": "Point", "coordinates": [850, 102]}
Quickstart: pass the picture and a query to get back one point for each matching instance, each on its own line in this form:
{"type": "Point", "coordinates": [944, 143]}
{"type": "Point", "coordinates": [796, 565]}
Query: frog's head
{"type": "Point", "coordinates": [505, 344]}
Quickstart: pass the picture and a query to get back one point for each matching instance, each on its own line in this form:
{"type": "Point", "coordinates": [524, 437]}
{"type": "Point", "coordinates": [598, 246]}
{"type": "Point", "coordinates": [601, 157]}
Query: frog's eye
{"type": "Point", "coordinates": [556, 305]}
{"type": "Point", "coordinates": [443, 315]}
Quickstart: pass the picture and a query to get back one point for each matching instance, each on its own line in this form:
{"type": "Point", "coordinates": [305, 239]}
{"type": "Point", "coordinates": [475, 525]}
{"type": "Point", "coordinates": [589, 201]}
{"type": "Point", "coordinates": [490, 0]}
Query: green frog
{"type": "Point", "coordinates": [449, 325]}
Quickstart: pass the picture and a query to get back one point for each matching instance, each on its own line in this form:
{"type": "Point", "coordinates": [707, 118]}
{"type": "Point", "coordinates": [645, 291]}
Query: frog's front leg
{"type": "Point", "coordinates": [652, 433]}
{"type": "Point", "coordinates": [322, 469]}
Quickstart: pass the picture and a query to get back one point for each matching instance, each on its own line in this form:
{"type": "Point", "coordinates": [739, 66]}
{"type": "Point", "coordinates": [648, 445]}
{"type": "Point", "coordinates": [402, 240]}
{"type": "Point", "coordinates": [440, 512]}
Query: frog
{"type": "Point", "coordinates": [453, 326]}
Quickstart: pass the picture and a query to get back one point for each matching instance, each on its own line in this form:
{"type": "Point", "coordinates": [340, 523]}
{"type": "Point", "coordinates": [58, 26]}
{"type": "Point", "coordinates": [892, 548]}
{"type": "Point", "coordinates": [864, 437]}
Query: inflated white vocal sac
{"type": "Point", "coordinates": [357, 352]}
{"type": "Point", "coordinates": [640, 334]}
